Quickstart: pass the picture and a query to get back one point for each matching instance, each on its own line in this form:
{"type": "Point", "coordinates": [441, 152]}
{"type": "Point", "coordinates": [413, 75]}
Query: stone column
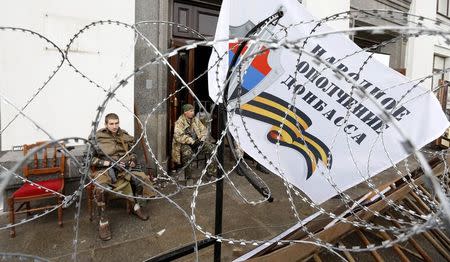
{"type": "Point", "coordinates": [151, 84]}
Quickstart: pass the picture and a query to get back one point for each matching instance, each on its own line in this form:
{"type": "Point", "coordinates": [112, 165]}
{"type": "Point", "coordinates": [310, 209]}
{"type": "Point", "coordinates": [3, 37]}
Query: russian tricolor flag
{"type": "Point", "coordinates": [258, 69]}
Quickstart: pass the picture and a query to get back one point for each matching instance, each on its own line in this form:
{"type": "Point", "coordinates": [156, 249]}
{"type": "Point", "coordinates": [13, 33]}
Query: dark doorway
{"type": "Point", "coordinates": [189, 65]}
{"type": "Point", "coordinates": [202, 55]}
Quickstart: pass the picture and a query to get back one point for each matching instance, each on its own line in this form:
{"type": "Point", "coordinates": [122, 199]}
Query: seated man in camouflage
{"type": "Point", "coordinates": [113, 144]}
{"type": "Point", "coordinates": [189, 135]}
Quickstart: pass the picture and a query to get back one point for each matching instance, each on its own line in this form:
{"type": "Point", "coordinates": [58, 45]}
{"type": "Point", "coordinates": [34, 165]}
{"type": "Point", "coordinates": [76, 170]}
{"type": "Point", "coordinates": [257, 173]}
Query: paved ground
{"type": "Point", "coordinates": [168, 228]}
{"type": "Point", "coordinates": [135, 240]}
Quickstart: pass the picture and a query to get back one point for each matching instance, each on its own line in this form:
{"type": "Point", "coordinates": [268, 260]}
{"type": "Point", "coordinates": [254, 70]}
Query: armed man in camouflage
{"type": "Point", "coordinates": [111, 161]}
{"type": "Point", "coordinates": [189, 135]}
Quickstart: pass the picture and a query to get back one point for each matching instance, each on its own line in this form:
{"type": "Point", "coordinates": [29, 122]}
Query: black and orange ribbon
{"type": "Point", "coordinates": [272, 110]}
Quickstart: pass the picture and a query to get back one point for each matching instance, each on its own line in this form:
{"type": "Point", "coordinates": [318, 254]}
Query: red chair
{"type": "Point", "coordinates": [50, 170]}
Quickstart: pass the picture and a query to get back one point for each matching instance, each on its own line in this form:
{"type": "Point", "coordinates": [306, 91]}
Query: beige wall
{"type": "Point", "coordinates": [67, 105]}
{"type": "Point", "coordinates": [420, 50]}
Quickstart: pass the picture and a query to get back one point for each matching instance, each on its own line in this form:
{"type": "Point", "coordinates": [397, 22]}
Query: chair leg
{"type": "Point", "coordinates": [129, 207]}
{"type": "Point", "coordinates": [12, 230]}
{"type": "Point", "coordinates": [90, 197]}
{"type": "Point", "coordinates": [60, 212]}
{"type": "Point", "coordinates": [28, 207]}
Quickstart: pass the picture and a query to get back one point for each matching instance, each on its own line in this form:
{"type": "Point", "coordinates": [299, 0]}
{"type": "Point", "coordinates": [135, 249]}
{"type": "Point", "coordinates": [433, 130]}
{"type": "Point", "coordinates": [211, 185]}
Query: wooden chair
{"type": "Point", "coordinates": [47, 169]}
{"type": "Point", "coordinates": [90, 197]}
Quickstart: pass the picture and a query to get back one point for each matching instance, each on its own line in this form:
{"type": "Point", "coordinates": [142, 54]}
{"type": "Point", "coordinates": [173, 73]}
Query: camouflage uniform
{"type": "Point", "coordinates": [186, 133]}
{"type": "Point", "coordinates": [115, 146]}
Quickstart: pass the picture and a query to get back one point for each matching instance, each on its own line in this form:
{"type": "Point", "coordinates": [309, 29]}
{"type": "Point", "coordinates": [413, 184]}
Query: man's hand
{"type": "Point", "coordinates": [131, 164]}
{"type": "Point", "coordinates": [106, 163]}
{"type": "Point", "coordinates": [121, 165]}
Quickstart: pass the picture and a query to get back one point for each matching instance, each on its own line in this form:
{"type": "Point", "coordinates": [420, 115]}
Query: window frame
{"type": "Point", "coordinates": [435, 69]}
{"type": "Point", "coordinates": [437, 8]}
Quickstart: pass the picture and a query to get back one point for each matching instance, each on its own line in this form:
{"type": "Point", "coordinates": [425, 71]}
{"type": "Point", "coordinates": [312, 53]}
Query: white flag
{"type": "Point", "coordinates": [327, 131]}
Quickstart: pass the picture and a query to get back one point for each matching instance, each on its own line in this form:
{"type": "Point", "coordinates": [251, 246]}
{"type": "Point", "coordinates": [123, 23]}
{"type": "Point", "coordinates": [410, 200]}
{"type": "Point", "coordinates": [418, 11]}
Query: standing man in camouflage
{"type": "Point", "coordinates": [117, 170]}
{"type": "Point", "coordinates": [189, 135]}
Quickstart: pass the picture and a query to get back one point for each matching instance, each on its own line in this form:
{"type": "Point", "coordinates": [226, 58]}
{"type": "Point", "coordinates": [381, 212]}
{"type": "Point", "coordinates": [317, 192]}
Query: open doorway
{"type": "Point", "coordinates": [202, 55]}
{"type": "Point", "coordinates": [189, 64]}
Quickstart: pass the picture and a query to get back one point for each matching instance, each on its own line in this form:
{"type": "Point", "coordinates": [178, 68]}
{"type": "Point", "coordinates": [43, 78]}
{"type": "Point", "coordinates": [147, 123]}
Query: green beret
{"type": "Point", "coordinates": [187, 107]}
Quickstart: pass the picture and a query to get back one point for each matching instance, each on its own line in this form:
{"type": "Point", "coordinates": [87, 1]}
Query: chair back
{"type": "Point", "coordinates": [47, 161]}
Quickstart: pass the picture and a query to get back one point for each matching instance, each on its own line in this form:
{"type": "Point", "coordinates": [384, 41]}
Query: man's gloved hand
{"type": "Point", "coordinates": [197, 143]}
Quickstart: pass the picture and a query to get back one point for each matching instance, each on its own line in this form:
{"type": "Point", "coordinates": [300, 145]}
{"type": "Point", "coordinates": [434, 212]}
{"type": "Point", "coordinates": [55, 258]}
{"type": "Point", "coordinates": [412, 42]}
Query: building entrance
{"type": "Point", "coordinates": [190, 65]}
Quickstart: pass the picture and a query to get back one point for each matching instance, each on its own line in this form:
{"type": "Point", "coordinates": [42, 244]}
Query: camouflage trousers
{"type": "Point", "coordinates": [187, 153]}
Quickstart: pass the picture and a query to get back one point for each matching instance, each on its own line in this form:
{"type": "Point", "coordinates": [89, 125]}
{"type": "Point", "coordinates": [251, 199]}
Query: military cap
{"type": "Point", "coordinates": [187, 107]}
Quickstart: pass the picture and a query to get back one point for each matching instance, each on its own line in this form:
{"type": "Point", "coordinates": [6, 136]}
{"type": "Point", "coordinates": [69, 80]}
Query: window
{"type": "Point", "coordinates": [439, 78]}
{"type": "Point", "coordinates": [442, 7]}
{"type": "Point", "coordinates": [438, 66]}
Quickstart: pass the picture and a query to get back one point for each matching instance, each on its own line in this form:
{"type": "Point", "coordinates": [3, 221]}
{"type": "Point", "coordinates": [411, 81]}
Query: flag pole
{"type": "Point", "coordinates": [222, 118]}
{"type": "Point", "coordinates": [219, 184]}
